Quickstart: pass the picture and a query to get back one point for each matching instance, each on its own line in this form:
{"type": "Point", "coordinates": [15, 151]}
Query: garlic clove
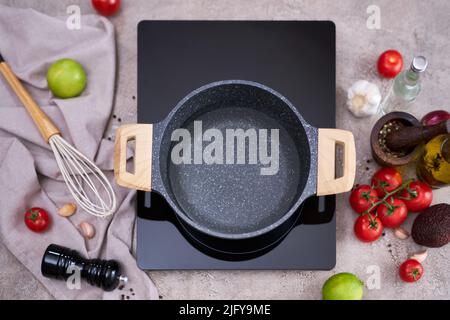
{"type": "Point", "coordinates": [420, 256]}
{"type": "Point", "coordinates": [363, 98]}
{"type": "Point", "coordinates": [401, 233]}
{"type": "Point", "coordinates": [87, 230]}
{"type": "Point", "coordinates": [67, 210]}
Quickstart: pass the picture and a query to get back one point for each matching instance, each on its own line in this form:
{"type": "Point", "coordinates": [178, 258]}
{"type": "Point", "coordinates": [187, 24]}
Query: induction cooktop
{"type": "Point", "coordinates": [296, 58]}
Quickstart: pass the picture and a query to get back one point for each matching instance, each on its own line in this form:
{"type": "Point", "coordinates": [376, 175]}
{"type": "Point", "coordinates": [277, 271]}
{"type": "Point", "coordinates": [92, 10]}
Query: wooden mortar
{"type": "Point", "coordinates": [380, 152]}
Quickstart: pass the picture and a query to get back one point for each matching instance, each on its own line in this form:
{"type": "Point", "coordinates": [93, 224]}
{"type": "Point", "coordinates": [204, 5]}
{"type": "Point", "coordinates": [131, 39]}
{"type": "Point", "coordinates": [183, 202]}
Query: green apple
{"type": "Point", "coordinates": [66, 78]}
{"type": "Point", "coordinates": [343, 286]}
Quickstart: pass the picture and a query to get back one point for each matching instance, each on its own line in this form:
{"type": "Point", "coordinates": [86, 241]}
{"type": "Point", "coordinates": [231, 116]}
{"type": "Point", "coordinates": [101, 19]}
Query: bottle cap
{"type": "Point", "coordinates": [419, 64]}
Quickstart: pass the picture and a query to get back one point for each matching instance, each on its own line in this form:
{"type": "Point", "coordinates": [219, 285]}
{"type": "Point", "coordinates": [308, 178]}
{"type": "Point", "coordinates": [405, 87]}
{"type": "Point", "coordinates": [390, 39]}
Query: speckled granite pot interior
{"type": "Point", "coordinates": [236, 201]}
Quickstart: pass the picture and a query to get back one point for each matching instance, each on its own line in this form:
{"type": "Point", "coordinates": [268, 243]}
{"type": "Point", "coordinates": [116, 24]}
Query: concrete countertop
{"type": "Point", "coordinates": [412, 27]}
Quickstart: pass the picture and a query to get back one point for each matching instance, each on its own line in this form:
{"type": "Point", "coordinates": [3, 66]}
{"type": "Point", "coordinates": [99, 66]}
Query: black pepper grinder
{"type": "Point", "coordinates": [101, 273]}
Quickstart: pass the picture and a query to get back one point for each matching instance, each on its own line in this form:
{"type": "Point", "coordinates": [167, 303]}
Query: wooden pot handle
{"type": "Point", "coordinates": [46, 127]}
{"type": "Point", "coordinates": [327, 183]}
{"type": "Point", "coordinates": [141, 178]}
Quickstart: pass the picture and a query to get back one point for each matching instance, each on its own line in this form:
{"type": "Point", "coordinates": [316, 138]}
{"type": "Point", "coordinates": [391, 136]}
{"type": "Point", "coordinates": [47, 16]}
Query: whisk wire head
{"type": "Point", "coordinates": [85, 181]}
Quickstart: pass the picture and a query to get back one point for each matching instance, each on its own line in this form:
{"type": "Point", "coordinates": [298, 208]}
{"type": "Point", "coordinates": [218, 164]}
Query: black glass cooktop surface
{"type": "Point", "coordinates": [295, 58]}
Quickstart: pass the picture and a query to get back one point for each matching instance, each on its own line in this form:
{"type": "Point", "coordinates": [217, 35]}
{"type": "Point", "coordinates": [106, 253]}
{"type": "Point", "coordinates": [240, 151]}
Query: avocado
{"type": "Point", "coordinates": [432, 227]}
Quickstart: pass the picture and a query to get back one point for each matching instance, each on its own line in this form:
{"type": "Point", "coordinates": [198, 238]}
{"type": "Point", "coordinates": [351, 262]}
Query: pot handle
{"type": "Point", "coordinates": [327, 183]}
{"type": "Point", "coordinates": [141, 178]}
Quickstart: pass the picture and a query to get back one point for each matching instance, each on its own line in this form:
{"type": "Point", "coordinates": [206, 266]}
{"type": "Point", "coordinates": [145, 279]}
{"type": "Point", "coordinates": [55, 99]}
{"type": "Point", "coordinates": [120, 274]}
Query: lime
{"type": "Point", "coordinates": [66, 78]}
{"type": "Point", "coordinates": [343, 286]}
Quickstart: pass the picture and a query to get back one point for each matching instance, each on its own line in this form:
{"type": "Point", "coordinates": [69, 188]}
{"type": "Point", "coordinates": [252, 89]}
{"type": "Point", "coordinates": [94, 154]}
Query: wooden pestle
{"type": "Point", "coordinates": [408, 137]}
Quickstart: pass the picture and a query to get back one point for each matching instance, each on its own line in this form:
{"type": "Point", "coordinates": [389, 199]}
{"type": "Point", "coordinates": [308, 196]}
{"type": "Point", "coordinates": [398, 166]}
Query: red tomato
{"type": "Point", "coordinates": [106, 7]}
{"type": "Point", "coordinates": [37, 219]}
{"type": "Point", "coordinates": [368, 229]}
{"type": "Point", "coordinates": [417, 196]}
{"type": "Point", "coordinates": [411, 270]}
{"type": "Point", "coordinates": [362, 198]}
{"type": "Point", "coordinates": [389, 178]}
{"type": "Point", "coordinates": [390, 63]}
{"type": "Point", "coordinates": [393, 213]}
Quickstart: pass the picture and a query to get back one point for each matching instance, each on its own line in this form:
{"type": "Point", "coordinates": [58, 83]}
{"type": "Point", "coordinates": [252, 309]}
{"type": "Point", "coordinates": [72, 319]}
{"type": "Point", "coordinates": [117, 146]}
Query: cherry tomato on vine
{"type": "Point", "coordinates": [106, 7]}
{"type": "Point", "coordinates": [37, 219]}
{"type": "Point", "coordinates": [390, 63]}
{"type": "Point", "coordinates": [389, 178]}
{"type": "Point", "coordinates": [368, 229]}
{"type": "Point", "coordinates": [362, 198]}
{"type": "Point", "coordinates": [411, 270]}
{"type": "Point", "coordinates": [392, 213]}
{"type": "Point", "coordinates": [417, 196]}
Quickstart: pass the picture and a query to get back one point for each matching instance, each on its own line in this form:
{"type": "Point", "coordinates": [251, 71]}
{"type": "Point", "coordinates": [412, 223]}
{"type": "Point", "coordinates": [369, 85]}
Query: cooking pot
{"type": "Point", "coordinates": [234, 159]}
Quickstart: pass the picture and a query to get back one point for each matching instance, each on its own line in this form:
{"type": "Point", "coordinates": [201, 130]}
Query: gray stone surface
{"type": "Point", "coordinates": [410, 26]}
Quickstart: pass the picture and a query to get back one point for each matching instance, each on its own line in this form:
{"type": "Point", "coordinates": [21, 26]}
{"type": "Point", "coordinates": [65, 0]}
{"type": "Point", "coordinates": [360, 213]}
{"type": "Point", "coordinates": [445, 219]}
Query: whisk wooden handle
{"type": "Point", "coordinates": [45, 126]}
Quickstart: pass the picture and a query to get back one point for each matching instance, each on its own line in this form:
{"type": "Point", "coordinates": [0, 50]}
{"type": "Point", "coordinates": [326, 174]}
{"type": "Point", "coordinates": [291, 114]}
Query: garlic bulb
{"type": "Point", "coordinates": [363, 98]}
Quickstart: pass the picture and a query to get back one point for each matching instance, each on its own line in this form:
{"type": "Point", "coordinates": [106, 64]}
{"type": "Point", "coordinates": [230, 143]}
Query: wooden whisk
{"type": "Point", "coordinates": [86, 182]}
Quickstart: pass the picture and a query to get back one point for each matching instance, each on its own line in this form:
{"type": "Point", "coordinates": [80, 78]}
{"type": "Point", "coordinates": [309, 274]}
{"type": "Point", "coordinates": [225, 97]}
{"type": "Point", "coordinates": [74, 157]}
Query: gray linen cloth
{"type": "Point", "coordinates": [30, 42]}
